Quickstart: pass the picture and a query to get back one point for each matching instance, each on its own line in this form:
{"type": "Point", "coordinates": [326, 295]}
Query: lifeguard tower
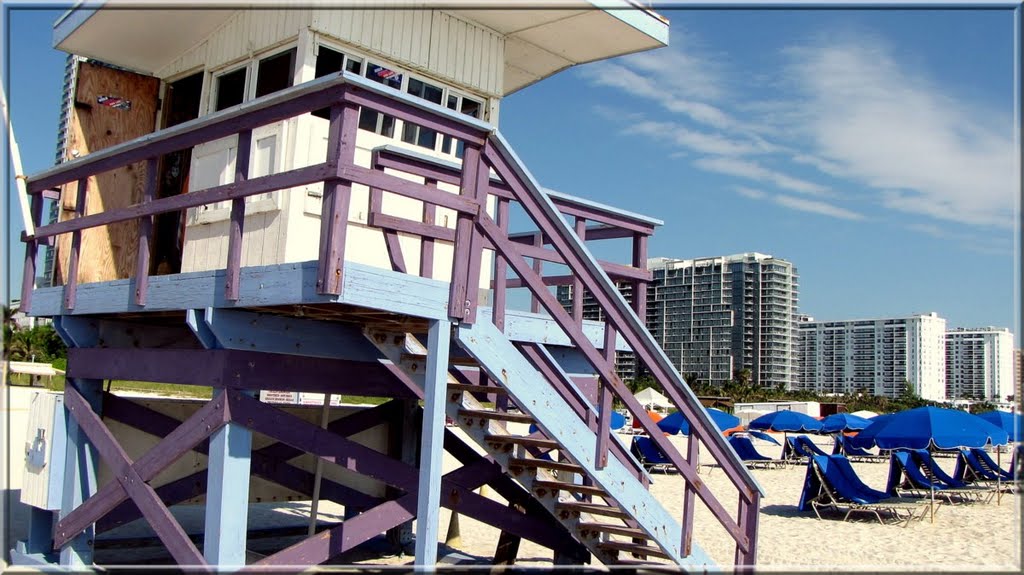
{"type": "Point", "coordinates": [320, 201]}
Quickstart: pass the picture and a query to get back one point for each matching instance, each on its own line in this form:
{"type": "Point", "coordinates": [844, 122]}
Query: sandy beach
{"type": "Point", "coordinates": [974, 537]}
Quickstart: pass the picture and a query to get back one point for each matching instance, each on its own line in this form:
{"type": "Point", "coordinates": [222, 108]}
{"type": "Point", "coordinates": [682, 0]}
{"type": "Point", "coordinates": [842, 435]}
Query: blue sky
{"type": "Point", "coordinates": [872, 148]}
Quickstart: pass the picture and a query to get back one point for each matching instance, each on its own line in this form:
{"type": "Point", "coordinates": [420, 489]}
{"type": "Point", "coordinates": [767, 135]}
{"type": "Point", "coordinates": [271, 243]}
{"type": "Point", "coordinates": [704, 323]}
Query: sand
{"type": "Point", "coordinates": [968, 537]}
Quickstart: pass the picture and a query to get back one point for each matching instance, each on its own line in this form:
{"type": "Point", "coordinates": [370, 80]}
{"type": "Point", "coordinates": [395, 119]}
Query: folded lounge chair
{"type": "Point", "coordinates": [809, 446]}
{"type": "Point", "coordinates": [907, 478]}
{"type": "Point", "coordinates": [935, 473]}
{"type": "Point", "coordinates": [798, 447]}
{"type": "Point", "coordinates": [751, 458]}
{"type": "Point", "coordinates": [832, 483]}
{"type": "Point", "coordinates": [648, 454]}
{"type": "Point", "coordinates": [971, 469]}
{"type": "Point", "coordinates": [853, 453]}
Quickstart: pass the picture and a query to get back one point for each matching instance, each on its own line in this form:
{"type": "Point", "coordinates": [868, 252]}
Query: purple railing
{"type": "Point", "coordinates": [475, 230]}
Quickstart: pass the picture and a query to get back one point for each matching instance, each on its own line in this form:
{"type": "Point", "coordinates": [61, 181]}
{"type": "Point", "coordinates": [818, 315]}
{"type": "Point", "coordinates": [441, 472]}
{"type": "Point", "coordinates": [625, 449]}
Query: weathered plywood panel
{"type": "Point", "coordinates": [107, 252]}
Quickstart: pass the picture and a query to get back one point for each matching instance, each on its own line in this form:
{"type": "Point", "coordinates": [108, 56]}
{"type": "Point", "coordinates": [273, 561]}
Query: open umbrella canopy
{"type": "Point", "coordinates": [676, 423]}
{"type": "Point", "coordinates": [864, 413]}
{"type": "Point", "coordinates": [1011, 423]}
{"type": "Point", "coordinates": [618, 420]}
{"type": "Point", "coordinates": [649, 397]}
{"type": "Point", "coordinates": [838, 422]}
{"type": "Point", "coordinates": [922, 427]}
{"type": "Point", "coordinates": [786, 420]}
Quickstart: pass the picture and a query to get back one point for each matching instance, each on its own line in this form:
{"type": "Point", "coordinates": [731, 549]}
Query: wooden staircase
{"type": "Point", "coordinates": [609, 510]}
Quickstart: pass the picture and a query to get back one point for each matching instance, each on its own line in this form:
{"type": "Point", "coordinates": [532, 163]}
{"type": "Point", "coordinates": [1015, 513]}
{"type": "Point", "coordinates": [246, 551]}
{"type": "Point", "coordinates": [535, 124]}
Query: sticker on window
{"type": "Point", "coordinates": [383, 73]}
{"type": "Point", "coordinates": [114, 102]}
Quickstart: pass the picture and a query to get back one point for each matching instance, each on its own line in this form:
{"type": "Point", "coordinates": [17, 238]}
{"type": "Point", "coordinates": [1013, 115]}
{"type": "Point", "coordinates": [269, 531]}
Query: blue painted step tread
{"type": "Point", "coordinates": [496, 415]}
{"type": "Point", "coordinates": [521, 440]}
{"type": "Point", "coordinates": [634, 548]}
{"type": "Point", "coordinates": [569, 487]}
{"type": "Point", "coordinates": [546, 464]}
{"type": "Point", "coordinates": [591, 508]}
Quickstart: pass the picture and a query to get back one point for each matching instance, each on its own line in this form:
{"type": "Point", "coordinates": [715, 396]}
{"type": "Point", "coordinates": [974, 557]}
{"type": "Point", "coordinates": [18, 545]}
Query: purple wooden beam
{"type": "Point", "coordinates": [237, 369]}
{"type": "Point", "coordinates": [145, 232]}
{"type": "Point", "coordinates": [449, 174]}
{"type": "Point", "coordinates": [500, 281]}
{"type": "Point", "coordinates": [478, 191]}
{"type": "Point", "coordinates": [640, 286]}
{"type": "Point", "coordinates": [604, 400]}
{"type": "Point", "coordinates": [176, 443]}
{"type": "Point", "coordinates": [538, 252]}
{"type": "Point", "coordinates": [237, 223]}
{"type": "Point", "coordinates": [28, 279]}
{"type": "Point", "coordinates": [427, 243]}
{"type": "Point", "coordinates": [390, 237]}
{"type": "Point", "coordinates": [187, 135]}
{"type": "Point", "coordinates": [403, 187]}
{"type": "Point", "coordinates": [461, 301]}
{"type": "Point", "coordinates": [269, 462]}
{"type": "Point", "coordinates": [156, 513]}
{"type": "Point", "coordinates": [746, 555]}
{"type": "Point", "coordinates": [692, 454]}
{"type": "Point", "coordinates": [607, 373]}
{"type": "Point", "coordinates": [71, 282]}
{"type": "Point", "coordinates": [264, 184]}
{"type": "Point", "coordinates": [598, 232]}
{"type": "Point", "coordinates": [577, 283]}
{"type": "Point", "coordinates": [538, 263]}
{"type": "Point", "coordinates": [341, 150]}
{"type": "Point", "coordinates": [429, 232]}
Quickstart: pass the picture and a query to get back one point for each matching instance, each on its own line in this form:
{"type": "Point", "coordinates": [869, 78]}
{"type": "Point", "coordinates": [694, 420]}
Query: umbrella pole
{"type": "Point", "coordinates": [999, 474]}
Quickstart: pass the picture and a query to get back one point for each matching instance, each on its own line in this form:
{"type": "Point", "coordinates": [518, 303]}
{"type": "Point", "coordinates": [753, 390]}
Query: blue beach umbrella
{"type": "Point", "coordinates": [924, 427]}
{"type": "Point", "coordinates": [840, 422]}
{"type": "Point", "coordinates": [786, 420]}
{"type": "Point", "coordinates": [1011, 423]}
{"type": "Point", "coordinates": [676, 423]}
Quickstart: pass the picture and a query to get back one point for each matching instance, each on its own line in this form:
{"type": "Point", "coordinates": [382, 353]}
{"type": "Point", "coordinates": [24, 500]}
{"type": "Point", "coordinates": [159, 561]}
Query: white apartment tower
{"type": "Point", "coordinates": [715, 316]}
{"type": "Point", "coordinates": [874, 356]}
{"type": "Point", "coordinates": [979, 363]}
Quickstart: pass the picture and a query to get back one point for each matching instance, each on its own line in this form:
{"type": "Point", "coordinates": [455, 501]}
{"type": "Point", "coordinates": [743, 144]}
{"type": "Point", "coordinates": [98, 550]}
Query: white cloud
{"type": "Point", "coordinates": [924, 152]}
{"type": "Point", "coordinates": [703, 142]}
{"type": "Point", "coordinates": [816, 207]}
{"type": "Point", "coordinates": [755, 171]}
{"type": "Point", "coordinates": [750, 193]}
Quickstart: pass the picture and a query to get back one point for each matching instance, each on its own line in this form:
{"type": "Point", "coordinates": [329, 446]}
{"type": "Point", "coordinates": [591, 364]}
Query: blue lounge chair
{"type": "Point", "coordinates": [751, 458]}
{"type": "Point", "coordinates": [799, 447]}
{"type": "Point", "coordinates": [831, 482]}
{"type": "Point", "coordinates": [907, 478]}
{"type": "Point", "coordinates": [648, 454]}
{"type": "Point", "coordinates": [934, 472]}
{"type": "Point", "coordinates": [809, 446]}
{"type": "Point", "coordinates": [854, 453]}
{"type": "Point", "coordinates": [986, 461]}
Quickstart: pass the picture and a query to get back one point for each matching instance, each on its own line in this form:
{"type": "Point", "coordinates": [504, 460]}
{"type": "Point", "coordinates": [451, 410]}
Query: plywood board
{"type": "Point", "coordinates": [110, 107]}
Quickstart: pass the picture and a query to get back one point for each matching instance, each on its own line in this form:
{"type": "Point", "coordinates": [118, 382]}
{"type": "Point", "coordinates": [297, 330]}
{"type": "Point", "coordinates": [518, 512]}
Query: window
{"type": "Point", "coordinates": [378, 122]}
{"type": "Point", "coordinates": [466, 106]}
{"type": "Point", "coordinates": [418, 135]}
{"type": "Point", "coordinates": [275, 73]}
{"type": "Point", "coordinates": [330, 61]}
{"type": "Point", "coordinates": [231, 89]}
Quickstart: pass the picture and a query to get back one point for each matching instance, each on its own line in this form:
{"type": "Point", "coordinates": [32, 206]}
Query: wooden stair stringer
{"type": "Point", "coordinates": [503, 362]}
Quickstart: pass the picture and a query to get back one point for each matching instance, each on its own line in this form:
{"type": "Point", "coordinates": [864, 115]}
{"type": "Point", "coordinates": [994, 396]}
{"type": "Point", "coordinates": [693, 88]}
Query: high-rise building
{"type": "Point", "coordinates": [979, 363]}
{"type": "Point", "coordinates": [716, 316]}
{"type": "Point", "coordinates": [875, 356]}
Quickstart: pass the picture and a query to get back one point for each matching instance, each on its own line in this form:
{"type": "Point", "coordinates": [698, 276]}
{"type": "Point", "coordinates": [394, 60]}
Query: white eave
{"type": "Point", "coordinates": [539, 41]}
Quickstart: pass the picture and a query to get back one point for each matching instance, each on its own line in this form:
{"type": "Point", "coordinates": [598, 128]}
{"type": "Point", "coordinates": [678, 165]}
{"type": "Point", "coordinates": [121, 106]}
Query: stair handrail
{"type": "Point", "coordinates": [620, 315]}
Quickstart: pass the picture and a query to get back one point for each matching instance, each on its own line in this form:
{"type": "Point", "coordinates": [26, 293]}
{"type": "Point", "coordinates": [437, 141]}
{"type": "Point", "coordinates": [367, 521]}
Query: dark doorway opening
{"type": "Point", "coordinates": [181, 104]}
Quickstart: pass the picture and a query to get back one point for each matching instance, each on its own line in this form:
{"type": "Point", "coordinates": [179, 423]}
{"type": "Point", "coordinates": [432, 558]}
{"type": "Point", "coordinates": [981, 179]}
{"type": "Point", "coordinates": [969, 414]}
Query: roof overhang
{"type": "Point", "coordinates": [143, 40]}
{"type": "Point", "coordinates": [541, 39]}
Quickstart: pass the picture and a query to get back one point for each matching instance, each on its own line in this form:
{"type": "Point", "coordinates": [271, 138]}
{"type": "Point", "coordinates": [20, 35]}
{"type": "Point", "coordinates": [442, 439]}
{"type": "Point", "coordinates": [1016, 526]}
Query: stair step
{"type": "Point", "coordinates": [613, 529]}
{"type": "Point", "coordinates": [497, 415]}
{"type": "Point", "coordinates": [634, 548]}
{"type": "Point", "coordinates": [547, 464]}
{"type": "Point", "coordinates": [452, 360]}
{"type": "Point", "coordinates": [470, 388]}
{"type": "Point", "coordinates": [570, 487]}
{"type": "Point", "coordinates": [521, 440]}
{"type": "Point", "coordinates": [591, 508]}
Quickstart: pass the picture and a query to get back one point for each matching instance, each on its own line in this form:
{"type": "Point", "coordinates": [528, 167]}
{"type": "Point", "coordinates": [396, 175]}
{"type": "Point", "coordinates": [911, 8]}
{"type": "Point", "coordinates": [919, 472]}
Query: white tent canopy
{"type": "Point", "coordinates": [864, 413]}
{"type": "Point", "coordinates": [651, 398]}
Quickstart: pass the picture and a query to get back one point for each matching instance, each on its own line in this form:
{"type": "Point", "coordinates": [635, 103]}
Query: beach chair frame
{"type": "Point", "coordinates": [902, 509]}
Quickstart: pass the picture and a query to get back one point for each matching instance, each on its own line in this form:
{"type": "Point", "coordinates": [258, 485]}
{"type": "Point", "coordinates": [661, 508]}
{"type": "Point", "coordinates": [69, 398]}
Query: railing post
{"type": "Point", "coordinates": [500, 269]}
{"type": "Point", "coordinates": [689, 495]}
{"type": "Point", "coordinates": [538, 268]}
{"type": "Point", "coordinates": [748, 517]}
{"type": "Point", "coordinates": [145, 231]}
{"type": "Point", "coordinates": [427, 244]}
{"type": "Point", "coordinates": [577, 282]}
{"type": "Point", "coordinates": [28, 280]}
{"type": "Point", "coordinates": [468, 242]}
{"type": "Point", "coordinates": [237, 225]}
{"type": "Point", "coordinates": [71, 285]}
{"type": "Point", "coordinates": [604, 397]}
{"type": "Point", "coordinates": [341, 148]}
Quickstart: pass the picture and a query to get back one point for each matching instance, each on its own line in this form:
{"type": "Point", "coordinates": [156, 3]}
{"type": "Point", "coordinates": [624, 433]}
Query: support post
{"type": "Point", "coordinates": [403, 438]}
{"type": "Point", "coordinates": [341, 149]}
{"type": "Point", "coordinates": [577, 282]}
{"type": "Point", "coordinates": [80, 474]}
{"type": "Point", "coordinates": [145, 232]}
{"type": "Point", "coordinates": [237, 223]}
{"type": "Point", "coordinates": [432, 443]}
{"type": "Point", "coordinates": [227, 496]}
{"type": "Point", "coordinates": [71, 282]}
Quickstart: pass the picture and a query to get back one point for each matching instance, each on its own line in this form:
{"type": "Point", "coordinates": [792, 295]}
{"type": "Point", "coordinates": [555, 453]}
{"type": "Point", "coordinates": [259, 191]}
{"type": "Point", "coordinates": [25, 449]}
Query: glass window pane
{"type": "Point", "coordinates": [328, 62]}
{"type": "Point", "coordinates": [383, 75]}
{"type": "Point", "coordinates": [471, 108]}
{"type": "Point", "coordinates": [453, 103]}
{"type": "Point", "coordinates": [424, 90]}
{"type": "Point", "coordinates": [230, 89]}
{"type": "Point", "coordinates": [354, 66]}
{"type": "Point", "coordinates": [275, 73]}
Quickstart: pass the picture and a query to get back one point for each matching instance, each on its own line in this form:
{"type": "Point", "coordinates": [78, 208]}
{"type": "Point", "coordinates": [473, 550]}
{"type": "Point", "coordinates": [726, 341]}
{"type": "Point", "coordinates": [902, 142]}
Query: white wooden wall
{"type": "Point", "coordinates": [287, 229]}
